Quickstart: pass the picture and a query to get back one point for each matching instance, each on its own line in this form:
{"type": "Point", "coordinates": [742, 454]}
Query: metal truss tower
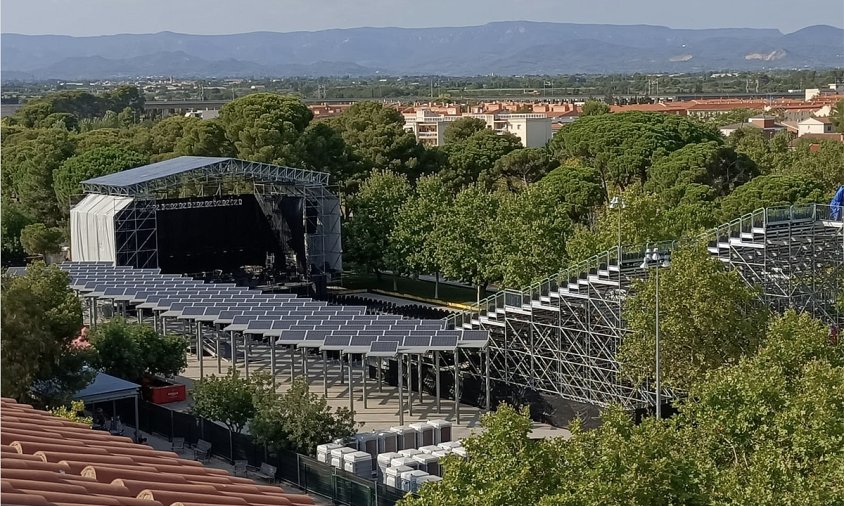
{"type": "Point", "coordinates": [560, 336]}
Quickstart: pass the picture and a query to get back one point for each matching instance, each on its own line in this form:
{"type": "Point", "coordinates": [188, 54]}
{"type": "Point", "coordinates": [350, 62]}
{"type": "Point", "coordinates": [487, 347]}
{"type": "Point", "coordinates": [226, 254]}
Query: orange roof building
{"type": "Point", "coordinates": [46, 460]}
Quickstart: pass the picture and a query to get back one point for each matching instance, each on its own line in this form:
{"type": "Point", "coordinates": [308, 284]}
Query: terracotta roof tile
{"type": "Point", "coordinates": [50, 461]}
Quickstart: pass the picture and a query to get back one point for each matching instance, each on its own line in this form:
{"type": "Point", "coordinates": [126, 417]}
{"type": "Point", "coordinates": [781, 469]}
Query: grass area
{"type": "Point", "coordinates": [418, 288]}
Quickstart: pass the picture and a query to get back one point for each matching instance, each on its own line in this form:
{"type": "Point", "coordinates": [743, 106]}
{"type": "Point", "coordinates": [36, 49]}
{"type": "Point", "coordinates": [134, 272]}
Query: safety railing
{"type": "Point", "coordinates": [759, 219]}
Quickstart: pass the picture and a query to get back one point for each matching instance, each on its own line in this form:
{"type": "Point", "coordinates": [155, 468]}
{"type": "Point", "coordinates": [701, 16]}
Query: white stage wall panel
{"type": "Point", "coordinates": [92, 227]}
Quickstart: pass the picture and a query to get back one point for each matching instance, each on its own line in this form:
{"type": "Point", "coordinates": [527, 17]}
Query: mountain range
{"type": "Point", "coordinates": [509, 48]}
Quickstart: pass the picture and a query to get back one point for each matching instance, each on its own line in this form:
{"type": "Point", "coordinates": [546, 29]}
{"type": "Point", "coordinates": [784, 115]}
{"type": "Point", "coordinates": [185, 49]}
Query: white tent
{"type": "Point", "coordinates": [92, 227]}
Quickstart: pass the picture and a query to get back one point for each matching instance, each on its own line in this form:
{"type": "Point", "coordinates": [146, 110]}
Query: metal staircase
{"type": "Point", "coordinates": [560, 336]}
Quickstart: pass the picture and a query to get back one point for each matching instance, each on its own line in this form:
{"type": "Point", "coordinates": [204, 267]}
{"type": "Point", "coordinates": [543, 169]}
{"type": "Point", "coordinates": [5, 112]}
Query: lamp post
{"type": "Point", "coordinates": [654, 259]}
{"type": "Point", "coordinates": [618, 203]}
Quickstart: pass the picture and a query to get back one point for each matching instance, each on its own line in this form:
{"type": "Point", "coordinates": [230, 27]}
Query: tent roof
{"type": "Point", "coordinates": [107, 388]}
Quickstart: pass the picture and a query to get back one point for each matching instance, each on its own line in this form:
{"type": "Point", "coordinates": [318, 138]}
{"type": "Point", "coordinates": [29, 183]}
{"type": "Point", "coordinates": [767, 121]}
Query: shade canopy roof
{"type": "Point", "coordinates": [107, 388]}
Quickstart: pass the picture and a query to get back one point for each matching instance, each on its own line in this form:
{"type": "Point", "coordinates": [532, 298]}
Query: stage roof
{"type": "Point", "coordinates": [157, 176]}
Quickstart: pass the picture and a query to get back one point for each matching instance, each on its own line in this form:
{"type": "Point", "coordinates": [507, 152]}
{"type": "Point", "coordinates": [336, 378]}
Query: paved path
{"type": "Point", "coordinates": [381, 410]}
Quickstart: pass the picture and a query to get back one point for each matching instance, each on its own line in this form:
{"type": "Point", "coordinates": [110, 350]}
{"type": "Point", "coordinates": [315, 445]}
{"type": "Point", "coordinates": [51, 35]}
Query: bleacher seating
{"type": "Point", "coordinates": [375, 306]}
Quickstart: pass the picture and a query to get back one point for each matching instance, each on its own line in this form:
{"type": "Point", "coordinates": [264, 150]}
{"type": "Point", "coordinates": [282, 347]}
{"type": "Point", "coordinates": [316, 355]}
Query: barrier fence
{"type": "Point", "coordinates": [302, 471]}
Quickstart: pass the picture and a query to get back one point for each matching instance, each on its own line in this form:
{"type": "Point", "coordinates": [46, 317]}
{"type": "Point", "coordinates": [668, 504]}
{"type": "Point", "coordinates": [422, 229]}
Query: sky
{"type": "Point", "coordinates": [105, 17]}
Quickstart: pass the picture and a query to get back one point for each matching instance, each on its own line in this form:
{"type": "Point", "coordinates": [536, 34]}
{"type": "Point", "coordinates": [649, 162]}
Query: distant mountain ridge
{"type": "Point", "coordinates": [516, 47]}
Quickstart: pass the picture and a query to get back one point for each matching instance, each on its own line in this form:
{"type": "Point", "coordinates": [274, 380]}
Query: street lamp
{"type": "Point", "coordinates": [654, 259]}
{"type": "Point", "coordinates": [617, 202]}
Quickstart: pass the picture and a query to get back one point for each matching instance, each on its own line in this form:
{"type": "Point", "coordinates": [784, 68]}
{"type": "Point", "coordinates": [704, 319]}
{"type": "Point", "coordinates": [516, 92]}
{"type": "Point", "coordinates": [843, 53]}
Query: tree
{"type": "Point", "coordinates": [576, 187]}
{"type": "Point", "coordinates": [322, 148]}
{"type": "Point", "coordinates": [623, 146]}
{"type": "Point", "coordinates": [38, 239]}
{"type": "Point", "coordinates": [474, 156]}
{"type": "Point", "coordinates": [133, 351]}
{"type": "Point", "coordinates": [594, 108]}
{"type": "Point", "coordinates": [40, 317]}
{"type": "Point", "coordinates": [771, 156]}
{"type": "Point", "coordinates": [820, 162]}
{"type": "Point", "coordinates": [229, 399]}
{"type": "Point", "coordinates": [708, 317]}
{"type": "Point", "coordinates": [462, 237]}
{"type": "Point", "coordinates": [373, 216]}
{"type": "Point", "coordinates": [530, 236]}
{"type": "Point", "coordinates": [771, 425]}
{"type": "Point", "coordinates": [168, 132]}
{"type": "Point", "coordinates": [61, 120]}
{"type": "Point", "coordinates": [461, 129]}
{"type": "Point", "coordinates": [376, 139]}
{"type": "Point", "coordinates": [504, 467]}
{"type": "Point", "coordinates": [28, 167]}
{"type": "Point", "coordinates": [265, 127]}
{"type": "Point", "coordinates": [299, 420]}
{"type": "Point", "coordinates": [94, 163]}
{"type": "Point", "coordinates": [518, 169]}
{"type": "Point", "coordinates": [837, 116]}
{"type": "Point", "coordinates": [204, 138]}
{"type": "Point", "coordinates": [12, 222]}
{"type": "Point", "coordinates": [770, 191]}
{"type": "Point", "coordinates": [735, 116]}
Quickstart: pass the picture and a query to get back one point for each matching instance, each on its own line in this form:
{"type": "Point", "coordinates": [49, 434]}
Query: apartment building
{"type": "Point", "coordinates": [533, 129]}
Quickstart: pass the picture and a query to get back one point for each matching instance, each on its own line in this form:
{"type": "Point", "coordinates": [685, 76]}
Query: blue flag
{"type": "Point", "coordinates": [837, 201]}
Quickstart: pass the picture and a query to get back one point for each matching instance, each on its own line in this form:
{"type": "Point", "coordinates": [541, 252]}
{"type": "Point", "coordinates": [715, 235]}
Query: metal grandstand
{"type": "Point", "coordinates": [560, 336]}
{"type": "Point", "coordinates": [215, 315]}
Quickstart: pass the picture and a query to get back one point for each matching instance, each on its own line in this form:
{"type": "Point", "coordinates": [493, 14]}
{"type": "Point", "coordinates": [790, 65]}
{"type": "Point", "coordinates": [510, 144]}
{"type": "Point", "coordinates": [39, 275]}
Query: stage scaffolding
{"type": "Point", "coordinates": [560, 336]}
{"type": "Point", "coordinates": [215, 176]}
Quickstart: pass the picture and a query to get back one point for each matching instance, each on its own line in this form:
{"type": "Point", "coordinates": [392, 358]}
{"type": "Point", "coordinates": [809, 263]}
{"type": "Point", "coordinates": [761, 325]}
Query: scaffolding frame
{"type": "Point", "coordinates": [560, 336]}
{"type": "Point", "coordinates": [138, 224]}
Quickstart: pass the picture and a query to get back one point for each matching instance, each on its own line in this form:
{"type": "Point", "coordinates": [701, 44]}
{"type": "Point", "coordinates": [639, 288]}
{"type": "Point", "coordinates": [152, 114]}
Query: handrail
{"type": "Point", "coordinates": [759, 218]}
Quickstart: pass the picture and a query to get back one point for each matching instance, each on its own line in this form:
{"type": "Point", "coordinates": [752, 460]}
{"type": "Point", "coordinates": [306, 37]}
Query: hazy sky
{"type": "Point", "coordinates": [101, 17]}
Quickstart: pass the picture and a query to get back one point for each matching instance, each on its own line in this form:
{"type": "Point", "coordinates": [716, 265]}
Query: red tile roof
{"type": "Point", "coordinates": [45, 460]}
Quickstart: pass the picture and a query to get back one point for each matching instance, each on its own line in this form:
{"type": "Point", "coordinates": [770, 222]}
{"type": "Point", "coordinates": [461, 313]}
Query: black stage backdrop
{"type": "Point", "coordinates": [202, 234]}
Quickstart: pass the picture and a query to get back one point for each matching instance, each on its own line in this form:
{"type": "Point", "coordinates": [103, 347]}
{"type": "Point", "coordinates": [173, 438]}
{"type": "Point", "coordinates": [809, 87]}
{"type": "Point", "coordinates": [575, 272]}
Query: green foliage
{"type": "Point", "coordinates": [60, 120]}
{"type": "Point", "coordinates": [299, 420]}
{"type": "Point", "coordinates": [132, 350]}
{"type": "Point", "coordinates": [461, 129]}
{"type": "Point", "coordinates": [764, 430]}
{"type": "Point", "coordinates": [769, 191]}
{"type": "Point", "coordinates": [822, 164]}
{"type": "Point", "coordinates": [623, 146]}
{"type": "Point", "coordinates": [576, 188]}
{"type": "Point", "coordinates": [165, 134]}
{"type": "Point", "coordinates": [770, 155]}
{"type": "Point", "coordinates": [38, 239]}
{"type": "Point", "coordinates": [530, 236]}
{"type": "Point", "coordinates": [12, 222]}
{"type": "Point", "coordinates": [518, 169]}
{"type": "Point", "coordinates": [708, 317]}
{"type": "Point", "coordinates": [411, 243]}
{"type": "Point", "coordinates": [204, 138]}
{"type": "Point", "coordinates": [229, 399]}
{"type": "Point", "coordinates": [376, 139]}
{"type": "Point", "coordinates": [74, 413]}
{"type": "Point", "coordinates": [594, 108]}
{"type": "Point", "coordinates": [837, 116]}
{"type": "Point", "coordinates": [28, 165]}
{"type": "Point", "coordinates": [94, 163]}
{"type": "Point", "coordinates": [462, 237]}
{"type": "Point", "coordinates": [322, 148]}
{"type": "Point", "coordinates": [374, 211]}
{"type": "Point", "coordinates": [474, 156]}
{"type": "Point", "coordinates": [40, 317]}
{"type": "Point", "coordinates": [265, 127]}
{"type": "Point", "coordinates": [734, 116]}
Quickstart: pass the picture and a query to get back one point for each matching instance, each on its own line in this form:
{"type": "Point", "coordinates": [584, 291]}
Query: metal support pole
{"type": "Point", "coordinates": [154, 320]}
{"type": "Point", "coordinates": [419, 376]}
{"type": "Point", "coordinates": [342, 370]}
{"type": "Point", "coordinates": [409, 385]}
{"type": "Point", "coordinates": [292, 363]}
{"type": "Point", "coordinates": [325, 373]}
{"type": "Point", "coordinates": [140, 315]}
{"type": "Point", "coordinates": [272, 361]}
{"type": "Point", "coordinates": [399, 359]}
{"type": "Point", "coordinates": [218, 339]}
{"type": "Point", "coordinates": [94, 313]}
{"type": "Point", "coordinates": [163, 326]}
{"type": "Point", "coordinates": [488, 395]}
{"type": "Point", "coordinates": [363, 370]}
{"type": "Point", "coordinates": [437, 373]}
{"type": "Point", "coordinates": [234, 349]}
{"type": "Point", "coordinates": [658, 394]}
{"type": "Point", "coordinates": [351, 386]}
{"type": "Point", "coordinates": [456, 386]}
{"type": "Point", "coordinates": [137, 421]}
{"type": "Point", "coordinates": [246, 355]}
{"type": "Point", "coordinates": [305, 363]}
{"type": "Point", "coordinates": [380, 382]}
{"type": "Point", "coordinates": [199, 350]}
